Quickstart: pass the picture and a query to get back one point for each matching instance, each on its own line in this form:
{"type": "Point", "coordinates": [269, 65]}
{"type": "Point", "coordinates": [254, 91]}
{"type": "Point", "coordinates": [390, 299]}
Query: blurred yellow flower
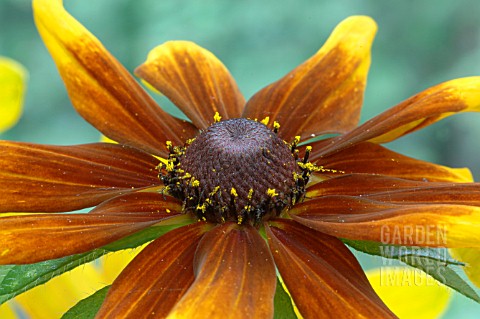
{"type": "Point", "coordinates": [13, 78]}
{"type": "Point", "coordinates": [410, 293]}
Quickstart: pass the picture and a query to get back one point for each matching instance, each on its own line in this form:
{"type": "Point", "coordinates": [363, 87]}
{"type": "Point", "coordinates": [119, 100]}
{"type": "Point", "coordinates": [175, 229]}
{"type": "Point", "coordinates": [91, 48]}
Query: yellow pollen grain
{"type": "Point", "coordinates": [276, 125]}
{"type": "Point", "coordinates": [233, 192]}
{"type": "Point", "coordinates": [169, 166]}
{"type": "Point", "coordinates": [250, 194]}
{"type": "Point", "coordinates": [312, 167]}
{"type": "Point", "coordinates": [297, 139]}
{"type": "Point", "coordinates": [215, 190]}
{"type": "Point", "coordinates": [186, 176]}
{"type": "Point", "coordinates": [168, 211]}
{"type": "Point", "coordinates": [202, 207]}
{"type": "Point", "coordinates": [272, 192]}
{"type": "Point", "coordinates": [329, 170]}
{"type": "Point", "coordinates": [217, 117]}
{"type": "Point", "coordinates": [308, 149]}
{"type": "Point", "coordinates": [265, 120]}
{"type": "Point", "coordinates": [195, 183]}
{"type": "Point", "coordinates": [239, 219]}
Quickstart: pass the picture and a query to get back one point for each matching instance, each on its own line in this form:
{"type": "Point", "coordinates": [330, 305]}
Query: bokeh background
{"type": "Point", "coordinates": [420, 43]}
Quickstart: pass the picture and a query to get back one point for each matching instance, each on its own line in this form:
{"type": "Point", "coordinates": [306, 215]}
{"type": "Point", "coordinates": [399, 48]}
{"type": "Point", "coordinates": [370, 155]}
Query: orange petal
{"type": "Point", "coordinates": [321, 274]}
{"type": "Point", "coordinates": [195, 80]}
{"type": "Point", "coordinates": [339, 204]}
{"type": "Point", "coordinates": [65, 234]}
{"type": "Point", "coordinates": [43, 178]}
{"type": "Point", "coordinates": [325, 93]}
{"type": "Point", "coordinates": [423, 109]}
{"type": "Point", "coordinates": [235, 276]}
{"type": "Point", "coordinates": [459, 194]}
{"type": "Point", "coordinates": [374, 159]}
{"type": "Point", "coordinates": [361, 185]}
{"type": "Point", "coordinates": [157, 278]}
{"type": "Point", "coordinates": [396, 190]}
{"type": "Point", "coordinates": [140, 202]}
{"type": "Point", "coordinates": [101, 89]}
{"type": "Point", "coordinates": [433, 225]}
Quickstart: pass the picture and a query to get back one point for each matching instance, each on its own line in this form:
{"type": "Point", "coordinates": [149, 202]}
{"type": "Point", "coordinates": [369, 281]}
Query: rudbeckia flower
{"type": "Point", "coordinates": [259, 193]}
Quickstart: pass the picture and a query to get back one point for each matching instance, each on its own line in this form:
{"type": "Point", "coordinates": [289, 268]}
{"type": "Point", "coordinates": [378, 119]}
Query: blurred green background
{"type": "Point", "coordinates": [420, 43]}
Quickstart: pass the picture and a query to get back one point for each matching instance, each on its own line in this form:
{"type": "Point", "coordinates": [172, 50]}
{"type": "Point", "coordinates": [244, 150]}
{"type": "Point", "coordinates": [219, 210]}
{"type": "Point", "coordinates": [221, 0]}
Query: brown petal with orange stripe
{"type": "Point", "coordinates": [33, 238]}
{"type": "Point", "coordinates": [235, 264]}
{"type": "Point", "coordinates": [160, 274]}
{"type": "Point", "coordinates": [194, 80]}
{"type": "Point", "coordinates": [419, 111]}
{"type": "Point", "coordinates": [46, 178]}
{"type": "Point", "coordinates": [372, 158]}
{"type": "Point", "coordinates": [321, 274]}
{"type": "Point", "coordinates": [101, 89]}
{"type": "Point", "coordinates": [325, 93]}
{"type": "Point", "coordinates": [426, 225]}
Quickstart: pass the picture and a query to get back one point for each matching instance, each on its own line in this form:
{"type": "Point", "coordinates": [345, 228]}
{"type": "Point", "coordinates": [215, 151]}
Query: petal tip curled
{"type": "Point", "coordinates": [359, 23]}
{"type": "Point", "coordinates": [359, 29]}
{"type": "Point", "coordinates": [194, 80]}
{"type": "Point", "coordinates": [325, 92]}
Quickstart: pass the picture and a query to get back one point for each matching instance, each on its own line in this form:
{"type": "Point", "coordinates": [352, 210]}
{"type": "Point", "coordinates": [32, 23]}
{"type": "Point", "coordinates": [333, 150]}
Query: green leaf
{"type": "Point", "coordinates": [436, 262]}
{"type": "Point", "coordinates": [20, 278]}
{"type": "Point", "coordinates": [283, 308]}
{"type": "Point", "coordinates": [87, 308]}
{"type": "Point", "coordinates": [16, 279]}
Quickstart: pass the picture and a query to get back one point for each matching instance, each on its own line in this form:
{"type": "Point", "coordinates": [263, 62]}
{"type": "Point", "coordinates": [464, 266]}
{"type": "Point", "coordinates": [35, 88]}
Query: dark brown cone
{"type": "Point", "coordinates": [244, 155]}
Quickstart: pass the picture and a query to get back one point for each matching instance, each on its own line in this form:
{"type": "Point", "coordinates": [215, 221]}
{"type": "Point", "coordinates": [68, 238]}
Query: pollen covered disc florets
{"type": "Point", "coordinates": [236, 170]}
